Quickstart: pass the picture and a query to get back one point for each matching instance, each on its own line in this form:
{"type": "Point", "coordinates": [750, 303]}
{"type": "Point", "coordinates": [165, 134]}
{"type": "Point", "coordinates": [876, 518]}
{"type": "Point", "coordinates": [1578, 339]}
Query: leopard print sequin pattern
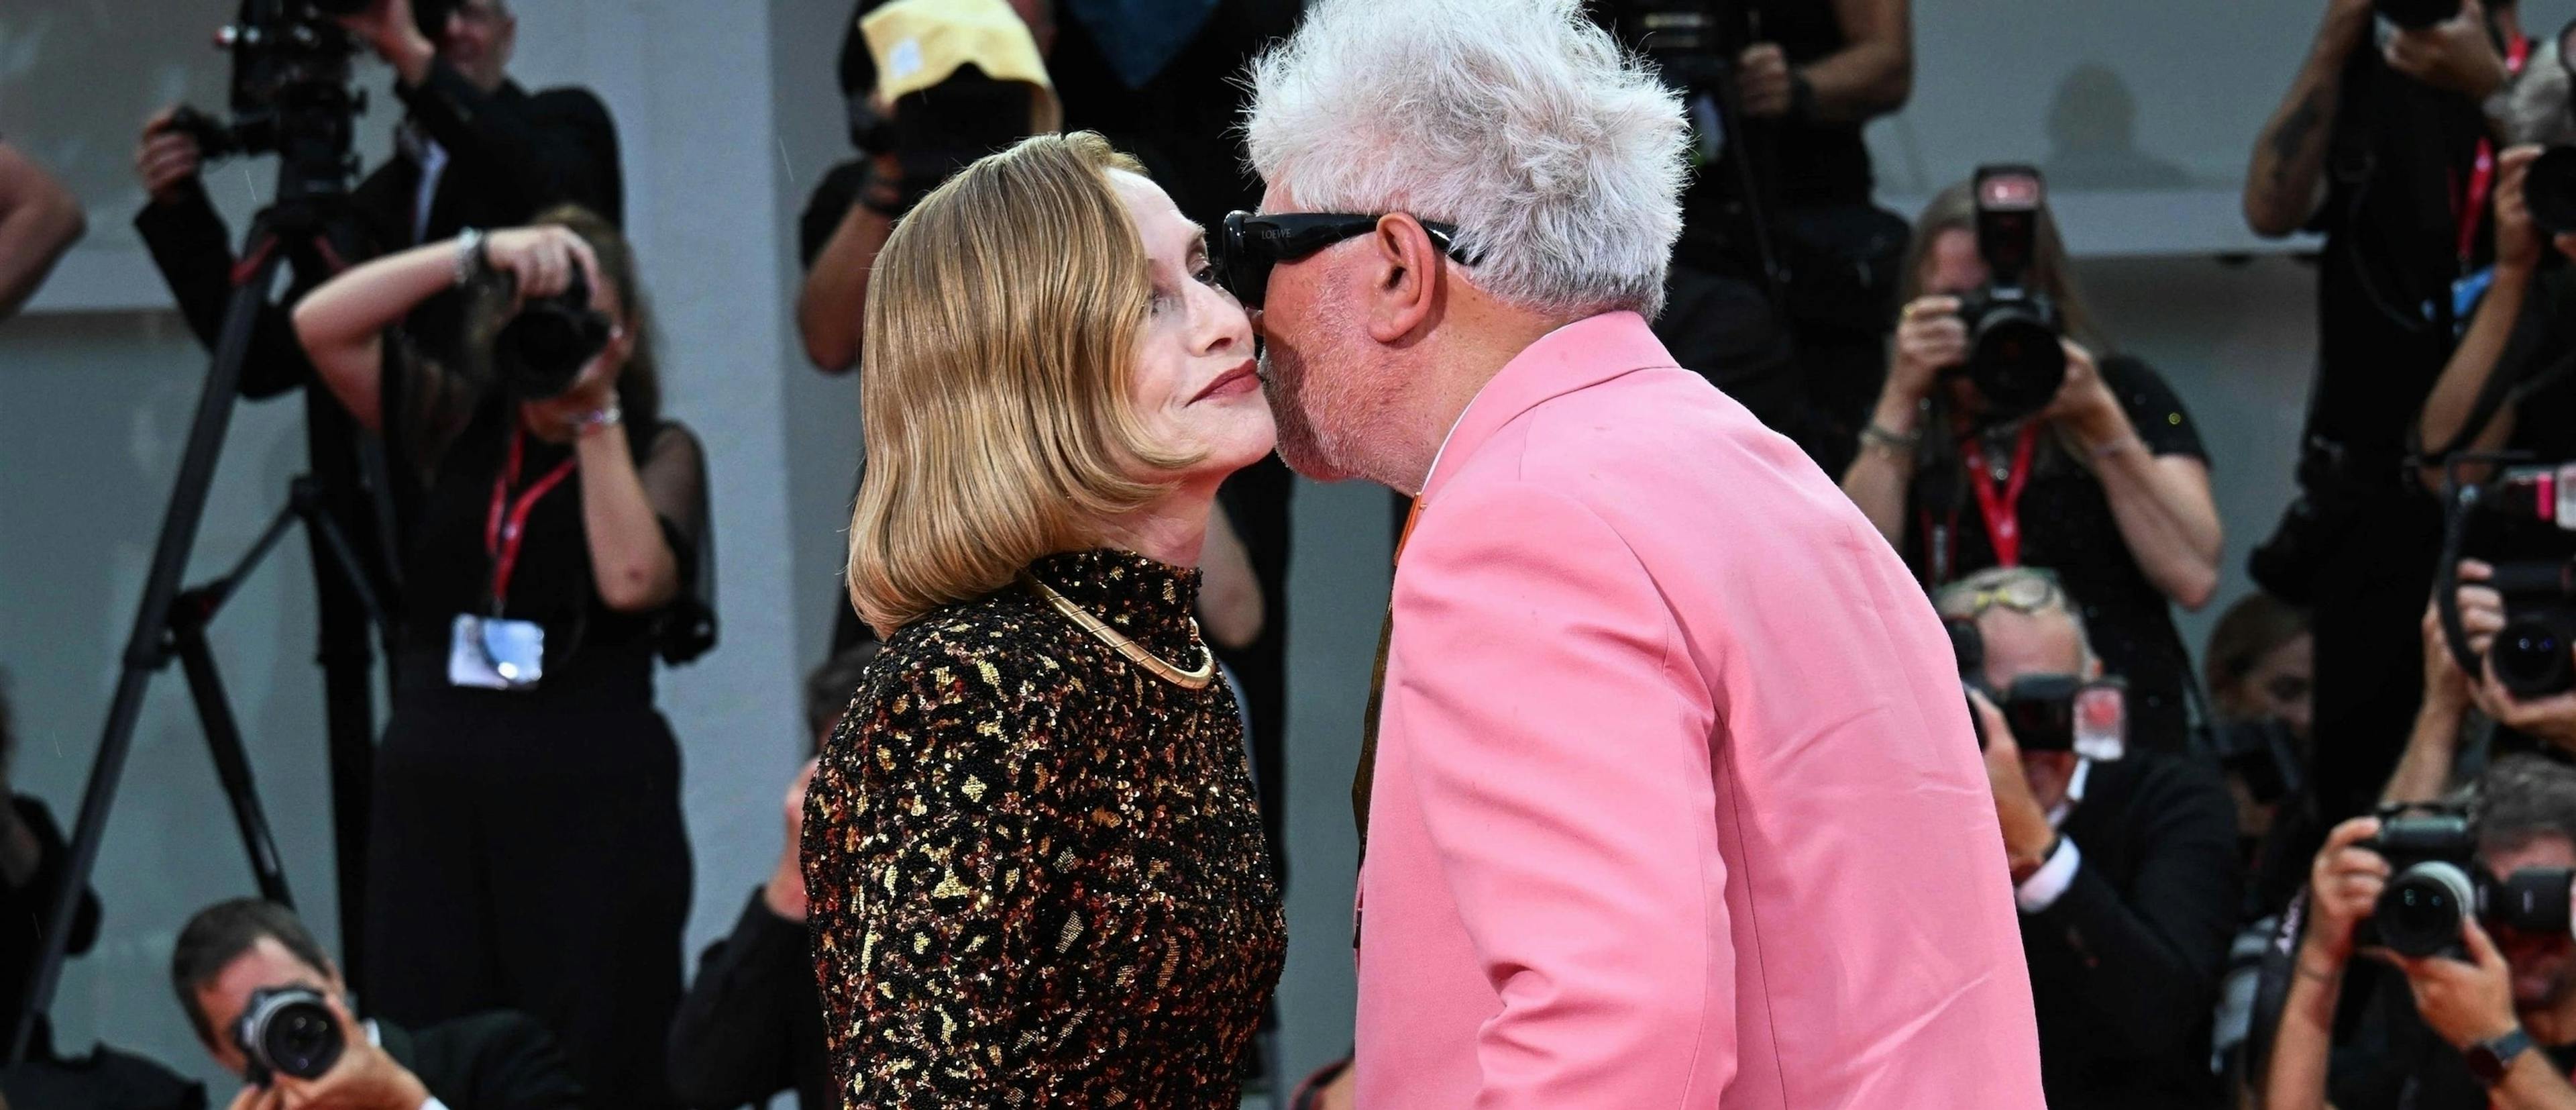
{"type": "Point", "coordinates": [1037, 874]}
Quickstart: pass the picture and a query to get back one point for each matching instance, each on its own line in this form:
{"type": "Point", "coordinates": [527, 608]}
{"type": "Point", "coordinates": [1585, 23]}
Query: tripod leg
{"type": "Point", "coordinates": [345, 602]}
{"type": "Point", "coordinates": [143, 646]}
{"type": "Point", "coordinates": [232, 765]}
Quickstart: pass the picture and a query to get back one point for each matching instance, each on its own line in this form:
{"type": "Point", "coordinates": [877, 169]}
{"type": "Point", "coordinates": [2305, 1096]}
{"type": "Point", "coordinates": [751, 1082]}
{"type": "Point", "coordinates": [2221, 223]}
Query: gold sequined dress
{"type": "Point", "coordinates": [1036, 871]}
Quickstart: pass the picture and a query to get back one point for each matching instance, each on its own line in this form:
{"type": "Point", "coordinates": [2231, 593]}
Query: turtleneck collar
{"type": "Point", "coordinates": [1147, 600]}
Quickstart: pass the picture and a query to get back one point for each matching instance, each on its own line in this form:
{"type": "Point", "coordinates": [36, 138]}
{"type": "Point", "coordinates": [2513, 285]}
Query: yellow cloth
{"type": "Point", "coordinates": [920, 43]}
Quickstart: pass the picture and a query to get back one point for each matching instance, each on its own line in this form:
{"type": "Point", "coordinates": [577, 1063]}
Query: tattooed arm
{"type": "Point", "coordinates": [2287, 180]}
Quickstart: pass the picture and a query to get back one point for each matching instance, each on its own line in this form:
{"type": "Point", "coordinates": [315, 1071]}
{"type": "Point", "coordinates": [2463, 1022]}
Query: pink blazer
{"type": "Point", "coordinates": [1676, 800]}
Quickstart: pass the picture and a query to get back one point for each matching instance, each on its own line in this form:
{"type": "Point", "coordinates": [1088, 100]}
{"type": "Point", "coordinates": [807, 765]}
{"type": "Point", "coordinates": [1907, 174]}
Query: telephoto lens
{"type": "Point", "coordinates": [541, 351]}
{"type": "Point", "coordinates": [2531, 655]}
{"type": "Point", "coordinates": [288, 1031]}
{"type": "Point", "coordinates": [2533, 900]}
{"type": "Point", "coordinates": [2013, 354]}
{"type": "Point", "coordinates": [2430, 888]}
{"type": "Point", "coordinates": [2415, 15]}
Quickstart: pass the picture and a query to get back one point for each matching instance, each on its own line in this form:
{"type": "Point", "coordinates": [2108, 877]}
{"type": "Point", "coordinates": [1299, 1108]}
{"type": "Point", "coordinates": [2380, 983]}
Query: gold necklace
{"type": "Point", "coordinates": [1194, 679]}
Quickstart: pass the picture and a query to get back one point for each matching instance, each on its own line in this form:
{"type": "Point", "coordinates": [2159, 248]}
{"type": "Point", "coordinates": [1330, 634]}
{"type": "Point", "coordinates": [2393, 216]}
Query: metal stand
{"type": "Point", "coordinates": [171, 623]}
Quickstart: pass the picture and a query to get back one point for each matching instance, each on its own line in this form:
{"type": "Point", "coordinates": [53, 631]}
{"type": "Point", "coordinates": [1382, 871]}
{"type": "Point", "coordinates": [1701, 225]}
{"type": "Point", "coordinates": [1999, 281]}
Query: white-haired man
{"type": "Point", "coordinates": [1677, 802]}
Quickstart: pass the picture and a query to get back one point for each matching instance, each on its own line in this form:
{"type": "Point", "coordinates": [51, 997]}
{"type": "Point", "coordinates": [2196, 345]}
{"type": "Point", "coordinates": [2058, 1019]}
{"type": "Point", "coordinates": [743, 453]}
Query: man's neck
{"type": "Point", "coordinates": [1480, 338]}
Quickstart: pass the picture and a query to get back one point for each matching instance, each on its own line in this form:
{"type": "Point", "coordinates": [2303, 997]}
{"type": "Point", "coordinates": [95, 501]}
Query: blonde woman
{"type": "Point", "coordinates": [1035, 867]}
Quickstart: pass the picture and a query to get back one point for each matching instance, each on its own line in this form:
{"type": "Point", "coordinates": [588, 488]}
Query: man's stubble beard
{"type": "Point", "coordinates": [1310, 446]}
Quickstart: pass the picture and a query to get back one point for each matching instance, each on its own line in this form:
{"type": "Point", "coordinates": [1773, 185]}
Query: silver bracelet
{"type": "Point", "coordinates": [589, 422]}
{"type": "Point", "coordinates": [1897, 442]}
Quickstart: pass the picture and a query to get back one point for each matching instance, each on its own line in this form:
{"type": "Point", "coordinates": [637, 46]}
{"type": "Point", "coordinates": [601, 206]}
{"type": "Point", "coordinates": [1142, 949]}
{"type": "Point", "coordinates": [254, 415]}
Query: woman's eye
{"type": "Point", "coordinates": [1205, 275]}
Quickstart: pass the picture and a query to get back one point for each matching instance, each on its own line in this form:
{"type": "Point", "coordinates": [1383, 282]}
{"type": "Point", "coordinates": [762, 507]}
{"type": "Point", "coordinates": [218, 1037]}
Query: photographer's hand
{"type": "Point", "coordinates": [364, 1078]}
{"type": "Point", "coordinates": [2027, 833]}
{"type": "Point", "coordinates": [2455, 54]}
{"type": "Point", "coordinates": [2517, 241]}
{"type": "Point", "coordinates": [1762, 80]}
{"type": "Point", "coordinates": [1930, 338]}
{"type": "Point", "coordinates": [541, 259]}
{"type": "Point", "coordinates": [386, 26]}
{"type": "Point", "coordinates": [2163, 505]}
{"type": "Point", "coordinates": [2343, 886]}
{"type": "Point", "coordinates": [166, 159]}
{"type": "Point", "coordinates": [2085, 406]}
{"type": "Point", "coordinates": [2463, 1001]}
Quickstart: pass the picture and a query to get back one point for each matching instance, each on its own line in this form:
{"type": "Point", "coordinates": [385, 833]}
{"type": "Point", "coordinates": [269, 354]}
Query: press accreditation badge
{"type": "Point", "coordinates": [490, 653]}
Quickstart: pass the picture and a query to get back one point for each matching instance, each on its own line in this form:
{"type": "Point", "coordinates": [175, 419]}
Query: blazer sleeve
{"type": "Point", "coordinates": [558, 146]}
{"type": "Point", "coordinates": [1562, 766]}
{"type": "Point", "coordinates": [187, 240]}
{"type": "Point", "coordinates": [733, 1040]}
{"type": "Point", "coordinates": [2159, 943]}
{"type": "Point", "coordinates": [516, 1065]}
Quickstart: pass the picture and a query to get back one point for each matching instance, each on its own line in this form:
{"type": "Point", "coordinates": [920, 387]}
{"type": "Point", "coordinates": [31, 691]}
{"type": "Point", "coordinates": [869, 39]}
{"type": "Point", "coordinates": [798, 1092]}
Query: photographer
{"type": "Point", "coordinates": [2102, 479]}
{"type": "Point", "coordinates": [2377, 146]}
{"type": "Point", "coordinates": [473, 150]}
{"type": "Point", "coordinates": [855, 206]}
{"type": "Point", "coordinates": [1805, 357]}
{"type": "Point", "coordinates": [2258, 669]}
{"type": "Point", "coordinates": [527, 801]}
{"type": "Point", "coordinates": [233, 956]}
{"type": "Point", "coordinates": [752, 1024]}
{"type": "Point", "coordinates": [39, 220]}
{"type": "Point", "coordinates": [2463, 1032]}
{"type": "Point", "coordinates": [2125, 870]}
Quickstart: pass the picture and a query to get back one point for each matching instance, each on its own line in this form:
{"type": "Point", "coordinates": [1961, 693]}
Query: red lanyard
{"type": "Point", "coordinates": [2002, 510]}
{"type": "Point", "coordinates": [502, 540]}
{"type": "Point", "coordinates": [2472, 204]}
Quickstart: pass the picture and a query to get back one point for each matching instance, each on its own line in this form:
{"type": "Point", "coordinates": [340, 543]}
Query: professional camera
{"type": "Point", "coordinates": [2046, 712]}
{"type": "Point", "coordinates": [288, 1031]}
{"type": "Point", "coordinates": [2550, 190]}
{"type": "Point", "coordinates": [2013, 353]}
{"type": "Point", "coordinates": [539, 353]}
{"type": "Point", "coordinates": [2435, 880]}
{"type": "Point", "coordinates": [2534, 654]}
{"type": "Point", "coordinates": [939, 130]}
{"type": "Point", "coordinates": [2263, 754]}
{"type": "Point", "coordinates": [1688, 40]}
{"type": "Point", "coordinates": [2415, 15]}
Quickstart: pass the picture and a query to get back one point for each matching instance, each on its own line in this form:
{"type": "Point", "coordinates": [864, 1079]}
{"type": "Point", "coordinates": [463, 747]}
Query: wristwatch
{"type": "Point", "coordinates": [2489, 1060]}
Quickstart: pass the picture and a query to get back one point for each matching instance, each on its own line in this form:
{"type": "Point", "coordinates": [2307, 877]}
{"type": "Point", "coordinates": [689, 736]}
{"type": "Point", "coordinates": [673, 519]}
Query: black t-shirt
{"type": "Point", "coordinates": [448, 570]}
{"type": "Point", "coordinates": [2398, 163]}
{"type": "Point", "coordinates": [2067, 527]}
{"type": "Point", "coordinates": [1819, 163]}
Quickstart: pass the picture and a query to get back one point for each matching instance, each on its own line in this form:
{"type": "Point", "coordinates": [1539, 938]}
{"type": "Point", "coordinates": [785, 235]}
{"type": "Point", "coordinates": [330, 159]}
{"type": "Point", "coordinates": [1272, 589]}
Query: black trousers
{"type": "Point", "coordinates": [527, 853]}
{"type": "Point", "coordinates": [2371, 589]}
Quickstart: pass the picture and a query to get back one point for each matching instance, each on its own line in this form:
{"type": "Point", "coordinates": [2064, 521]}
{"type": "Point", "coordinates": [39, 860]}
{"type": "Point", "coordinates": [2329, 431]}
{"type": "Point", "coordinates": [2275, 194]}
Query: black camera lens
{"type": "Point", "coordinates": [2016, 362]}
{"type": "Point", "coordinates": [2419, 914]}
{"type": "Point", "coordinates": [2550, 190]}
{"type": "Point", "coordinates": [2415, 15]}
{"type": "Point", "coordinates": [541, 351]}
{"type": "Point", "coordinates": [2531, 657]}
{"type": "Point", "coordinates": [2533, 900]}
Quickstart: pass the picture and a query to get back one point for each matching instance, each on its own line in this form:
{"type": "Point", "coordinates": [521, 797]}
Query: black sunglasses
{"type": "Point", "coordinates": [1249, 245]}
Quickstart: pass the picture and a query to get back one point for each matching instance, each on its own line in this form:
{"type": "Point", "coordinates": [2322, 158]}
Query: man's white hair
{"type": "Point", "coordinates": [1557, 153]}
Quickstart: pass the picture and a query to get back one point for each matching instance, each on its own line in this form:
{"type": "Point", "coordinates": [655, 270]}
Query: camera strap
{"type": "Point", "coordinates": [2470, 207]}
{"type": "Point", "coordinates": [505, 533]}
{"type": "Point", "coordinates": [2002, 510]}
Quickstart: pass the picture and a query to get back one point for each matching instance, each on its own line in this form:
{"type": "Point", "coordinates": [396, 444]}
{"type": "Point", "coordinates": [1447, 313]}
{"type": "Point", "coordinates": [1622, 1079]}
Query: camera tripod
{"type": "Point", "coordinates": [310, 230]}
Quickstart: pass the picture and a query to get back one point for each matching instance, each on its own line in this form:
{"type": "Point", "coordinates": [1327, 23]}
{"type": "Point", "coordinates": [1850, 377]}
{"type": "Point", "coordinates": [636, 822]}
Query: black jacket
{"type": "Point", "coordinates": [752, 1024]}
{"type": "Point", "coordinates": [511, 155]}
{"type": "Point", "coordinates": [2124, 966]}
{"type": "Point", "coordinates": [493, 1061]}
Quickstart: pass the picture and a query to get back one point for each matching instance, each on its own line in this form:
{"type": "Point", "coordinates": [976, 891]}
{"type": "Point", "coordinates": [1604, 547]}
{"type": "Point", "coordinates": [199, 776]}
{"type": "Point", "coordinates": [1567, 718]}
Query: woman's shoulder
{"type": "Point", "coordinates": [996, 653]}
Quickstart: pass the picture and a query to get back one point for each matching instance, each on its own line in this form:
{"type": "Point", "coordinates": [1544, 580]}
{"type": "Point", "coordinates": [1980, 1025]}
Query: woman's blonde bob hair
{"type": "Point", "coordinates": [1002, 321]}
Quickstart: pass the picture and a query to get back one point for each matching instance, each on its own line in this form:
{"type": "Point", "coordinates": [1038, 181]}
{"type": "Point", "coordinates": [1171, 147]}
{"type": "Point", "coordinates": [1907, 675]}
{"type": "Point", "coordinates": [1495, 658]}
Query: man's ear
{"type": "Point", "coordinates": [1405, 280]}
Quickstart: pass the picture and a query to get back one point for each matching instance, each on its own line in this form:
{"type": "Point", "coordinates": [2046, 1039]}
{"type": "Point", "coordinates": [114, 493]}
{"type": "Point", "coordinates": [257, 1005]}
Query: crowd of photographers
{"type": "Point", "coordinates": [2332, 865]}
